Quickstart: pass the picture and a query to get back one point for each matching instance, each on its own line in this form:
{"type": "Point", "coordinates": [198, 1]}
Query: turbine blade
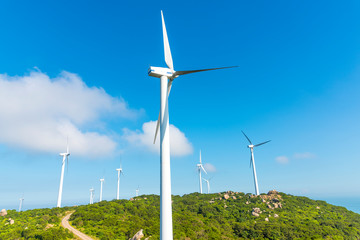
{"type": "Point", "coordinates": [203, 168]}
{"type": "Point", "coordinates": [67, 164]}
{"type": "Point", "coordinates": [178, 73]}
{"type": "Point", "coordinates": [168, 58]}
{"type": "Point", "coordinates": [158, 121]}
{"type": "Point", "coordinates": [247, 137]}
{"type": "Point", "coordinates": [261, 143]}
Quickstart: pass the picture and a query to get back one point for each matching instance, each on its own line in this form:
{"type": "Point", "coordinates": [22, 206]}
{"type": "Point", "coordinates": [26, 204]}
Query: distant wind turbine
{"type": "Point", "coordinates": [166, 75]}
{"type": "Point", "coordinates": [208, 184]}
{"type": "Point", "coordinates": [102, 180]}
{"type": "Point", "coordinates": [65, 157]}
{"type": "Point", "coordinates": [120, 172]}
{"type": "Point", "coordinates": [92, 195]}
{"type": "Point", "coordinates": [252, 160]}
{"type": "Point", "coordinates": [137, 191]}
{"type": "Point", "coordinates": [21, 203]}
{"type": "Point", "coordinates": [200, 168]}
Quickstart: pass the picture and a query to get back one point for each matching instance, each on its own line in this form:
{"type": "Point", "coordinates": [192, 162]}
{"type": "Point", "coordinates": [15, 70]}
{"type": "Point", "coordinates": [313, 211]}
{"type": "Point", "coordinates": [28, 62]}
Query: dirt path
{"type": "Point", "coordinates": [65, 224]}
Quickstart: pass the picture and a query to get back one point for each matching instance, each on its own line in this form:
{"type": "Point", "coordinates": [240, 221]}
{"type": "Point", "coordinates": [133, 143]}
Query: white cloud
{"type": "Point", "coordinates": [282, 159]}
{"type": "Point", "coordinates": [305, 155]}
{"type": "Point", "coordinates": [209, 167]}
{"type": "Point", "coordinates": [38, 113]}
{"type": "Point", "coordinates": [179, 144]}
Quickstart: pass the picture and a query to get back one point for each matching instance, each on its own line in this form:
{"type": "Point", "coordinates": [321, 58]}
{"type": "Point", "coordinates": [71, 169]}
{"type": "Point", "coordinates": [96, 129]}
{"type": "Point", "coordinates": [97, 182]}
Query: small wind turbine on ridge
{"type": "Point", "coordinates": [252, 160]}
{"type": "Point", "coordinates": [208, 184]}
{"type": "Point", "coordinates": [137, 191]}
{"type": "Point", "coordinates": [65, 157]}
{"type": "Point", "coordinates": [92, 195]}
{"type": "Point", "coordinates": [102, 180]}
{"type": "Point", "coordinates": [166, 75]}
{"type": "Point", "coordinates": [21, 203]}
{"type": "Point", "coordinates": [200, 168]}
{"type": "Point", "coordinates": [120, 172]}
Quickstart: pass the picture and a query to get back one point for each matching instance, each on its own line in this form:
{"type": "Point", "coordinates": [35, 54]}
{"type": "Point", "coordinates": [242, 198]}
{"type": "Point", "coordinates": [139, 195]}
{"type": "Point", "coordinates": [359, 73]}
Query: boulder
{"type": "Point", "coordinates": [3, 212]}
{"type": "Point", "coordinates": [226, 196]}
{"type": "Point", "coordinates": [247, 202]}
{"type": "Point", "coordinates": [266, 219]}
{"type": "Point", "coordinates": [275, 215]}
{"type": "Point", "coordinates": [256, 212]}
{"type": "Point", "coordinates": [273, 192]}
{"type": "Point", "coordinates": [138, 235]}
{"type": "Point", "coordinates": [11, 221]}
{"type": "Point", "coordinates": [317, 207]}
{"type": "Point", "coordinates": [233, 197]}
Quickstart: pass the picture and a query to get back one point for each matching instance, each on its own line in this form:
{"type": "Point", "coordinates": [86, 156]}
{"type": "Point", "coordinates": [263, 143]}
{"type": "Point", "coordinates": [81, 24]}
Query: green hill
{"type": "Point", "coordinates": [221, 216]}
{"type": "Point", "coordinates": [227, 215]}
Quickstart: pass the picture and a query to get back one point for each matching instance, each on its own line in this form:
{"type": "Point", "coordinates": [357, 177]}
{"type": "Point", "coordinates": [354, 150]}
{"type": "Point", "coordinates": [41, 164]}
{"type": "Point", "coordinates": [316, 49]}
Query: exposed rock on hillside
{"type": "Point", "coordinates": [138, 235]}
{"type": "Point", "coordinates": [3, 212]}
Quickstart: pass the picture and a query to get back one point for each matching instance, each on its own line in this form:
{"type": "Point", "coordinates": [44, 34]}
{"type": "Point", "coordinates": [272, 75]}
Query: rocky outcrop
{"type": "Point", "coordinates": [226, 196]}
{"type": "Point", "coordinates": [138, 235]}
{"type": "Point", "coordinates": [3, 212]}
{"type": "Point", "coordinates": [256, 212]}
{"type": "Point", "coordinates": [11, 221]}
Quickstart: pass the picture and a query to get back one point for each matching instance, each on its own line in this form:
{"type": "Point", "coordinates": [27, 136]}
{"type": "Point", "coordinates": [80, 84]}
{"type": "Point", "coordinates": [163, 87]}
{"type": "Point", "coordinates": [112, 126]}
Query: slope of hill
{"type": "Point", "coordinates": [34, 224]}
{"type": "Point", "coordinates": [226, 215]}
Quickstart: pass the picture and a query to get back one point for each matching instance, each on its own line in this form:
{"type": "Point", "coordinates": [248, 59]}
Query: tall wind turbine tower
{"type": "Point", "coordinates": [252, 160]}
{"type": "Point", "coordinates": [102, 180]}
{"type": "Point", "coordinates": [120, 172]}
{"type": "Point", "coordinates": [200, 168]}
{"type": "Point", "coordinates": [166, 75]}
{"type": "Point", "coordinates": [21, 203]}
{"type": "Point", "coordinates": [92, 195]}
{"type": "Point", "coordinates": [65, 157]}
{"type": "Point", "coordinates": [137, 191]}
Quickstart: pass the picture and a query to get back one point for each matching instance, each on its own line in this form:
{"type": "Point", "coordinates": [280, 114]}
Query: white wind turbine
{"type": "Point", "coordinates": [166, 75]}
{"type": "Point", "coordinates": [120, 172]}
{"type": "Point", "coordinates": [252, 160]}
{"type": "Point", "coordinates": [65, 157]}
{"type": "Point", "coordinates": [102, 180]}
{"type": "Point", "coordinates": [200, 168]}
{"type": "Point", "coordinates": [92, 195]}
{"type": "Point", "coordinates": [21, 203]}
{"type": "Point", "coordinates": [137, 191]}
{"type": "Point", "coordinates": [208, 184]}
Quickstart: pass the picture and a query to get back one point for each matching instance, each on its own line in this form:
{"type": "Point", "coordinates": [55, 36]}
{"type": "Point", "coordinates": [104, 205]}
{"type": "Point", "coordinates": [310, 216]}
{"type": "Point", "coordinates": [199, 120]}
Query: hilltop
{"type": "Point", "coordinates": [226, 215]}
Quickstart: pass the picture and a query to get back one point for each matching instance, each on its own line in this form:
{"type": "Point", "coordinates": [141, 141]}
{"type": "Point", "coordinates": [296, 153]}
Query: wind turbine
{"type": "Point", "coordinates": [137, 191]}
{"type": "Point", "coordinates": [120, 172]}
{"type": "Point", "coordinates": [252, 160]}
{"type": "Point", "coordinates": [21, 203]}
{"type": "Point", "coordinates": [92, 195]}
{"type": "Point", "coordinates": [65, 157]}
{"type": "Point", "coordinates": [166, 75]}
{"type": "Point", "coordinates": [102, 180]}
{"type": "Point", "coordinates": [208, 184]}
{"type": "Point", "coordinates": [200, 168]}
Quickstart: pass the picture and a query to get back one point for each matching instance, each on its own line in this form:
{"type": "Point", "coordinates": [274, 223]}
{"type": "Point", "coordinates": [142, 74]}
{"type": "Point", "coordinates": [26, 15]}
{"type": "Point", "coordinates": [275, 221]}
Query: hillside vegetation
{"type": "Point", "coordinates": [34, 224]}
{"type": "Point", "coordinates": [227, 215]}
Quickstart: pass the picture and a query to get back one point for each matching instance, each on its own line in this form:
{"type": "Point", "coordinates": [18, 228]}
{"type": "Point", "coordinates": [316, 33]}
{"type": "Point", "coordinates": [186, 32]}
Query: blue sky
{"type": "Point", "coordinates": [79, 69]}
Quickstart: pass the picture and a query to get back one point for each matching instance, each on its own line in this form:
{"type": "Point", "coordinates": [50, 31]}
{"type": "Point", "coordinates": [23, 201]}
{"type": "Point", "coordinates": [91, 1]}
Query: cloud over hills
{"type": "Point", "coordinates": [38, 113]}
{"type": "Point", "coordinates": [179, 144]}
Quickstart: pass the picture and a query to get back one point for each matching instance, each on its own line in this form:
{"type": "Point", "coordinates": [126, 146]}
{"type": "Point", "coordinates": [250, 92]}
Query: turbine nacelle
{"type": "Point", "coordinates": [160, 71]}
{"type": "Point", "coordinates": [64, 154]}
{"type": "Point", "coordinates": [250, 146]}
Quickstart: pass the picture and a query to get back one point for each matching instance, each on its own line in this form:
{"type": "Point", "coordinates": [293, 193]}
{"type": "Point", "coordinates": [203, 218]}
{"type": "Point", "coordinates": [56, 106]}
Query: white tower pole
{"type": "Point", "coordinates": [101, 188]}
{"type": "Point", "coordinates": [118, 184]}
{"type": "Point", "coordinates": [254, 170]}
{"type": "Point", "coordinates": [200, 178]}
{"type": "Point", "coordinates": [166, 228]}
{"type": "Point", "coordinates": [61, 181]}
